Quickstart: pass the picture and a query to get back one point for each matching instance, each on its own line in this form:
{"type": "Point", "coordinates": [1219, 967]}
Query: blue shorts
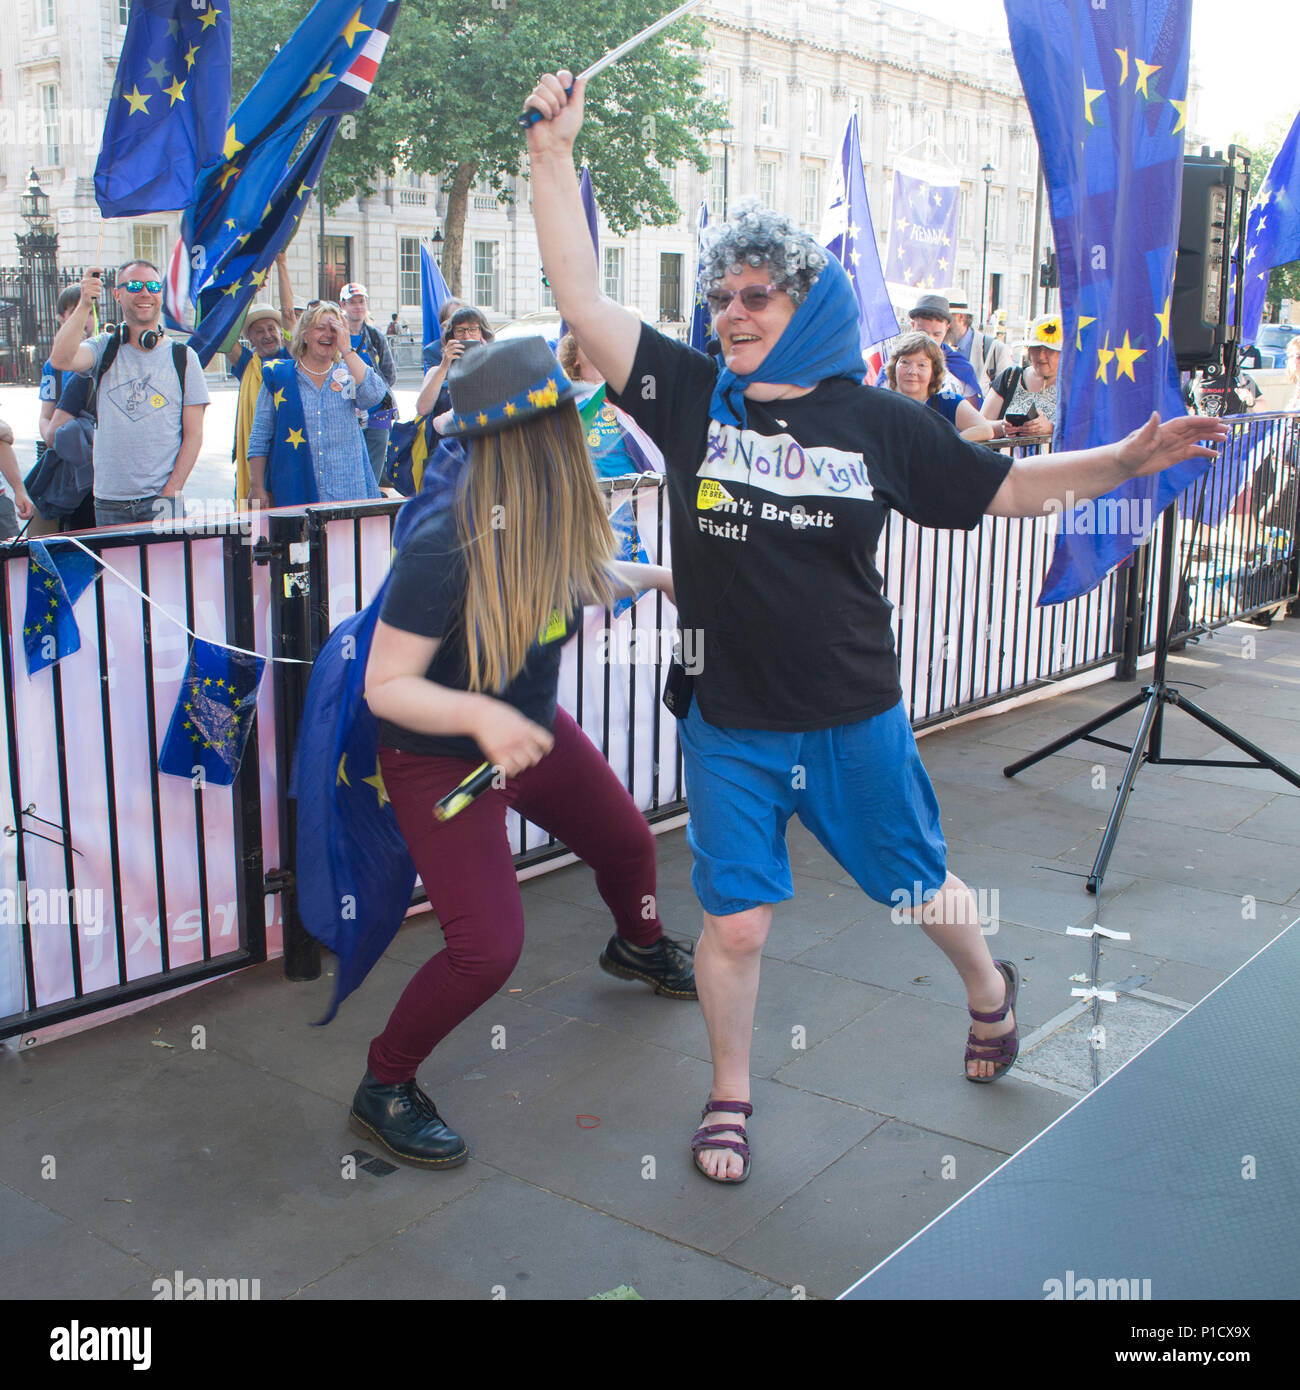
{"type": "Point", "coordinates": [860, 788]}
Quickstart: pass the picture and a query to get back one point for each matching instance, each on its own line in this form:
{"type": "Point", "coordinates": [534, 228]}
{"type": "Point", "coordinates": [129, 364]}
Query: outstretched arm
{"type": "Point", "coordinates": [1049, 482]}
{"type": "Point", "coordinates": [606, 332]}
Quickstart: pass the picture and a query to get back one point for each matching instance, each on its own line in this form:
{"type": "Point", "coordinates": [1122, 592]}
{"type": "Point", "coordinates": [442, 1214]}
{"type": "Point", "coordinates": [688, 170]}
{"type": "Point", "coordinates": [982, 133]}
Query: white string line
{"type": "Point", "coordinates": [243, 651]}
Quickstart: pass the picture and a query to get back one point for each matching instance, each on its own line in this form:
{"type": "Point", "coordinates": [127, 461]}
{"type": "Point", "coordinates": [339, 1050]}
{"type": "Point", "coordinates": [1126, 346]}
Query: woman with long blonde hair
{"type": "Point", "coordinates": [462, 671]}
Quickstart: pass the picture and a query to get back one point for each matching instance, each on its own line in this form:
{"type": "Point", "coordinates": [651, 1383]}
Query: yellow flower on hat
{"type": "Point", "coordinates": [1050, 333]}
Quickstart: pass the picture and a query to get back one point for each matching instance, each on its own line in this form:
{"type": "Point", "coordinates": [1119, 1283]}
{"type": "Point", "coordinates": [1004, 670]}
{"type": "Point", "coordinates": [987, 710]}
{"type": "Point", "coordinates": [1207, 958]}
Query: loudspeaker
{"type": "Point", "coordinates": [1200, 310]}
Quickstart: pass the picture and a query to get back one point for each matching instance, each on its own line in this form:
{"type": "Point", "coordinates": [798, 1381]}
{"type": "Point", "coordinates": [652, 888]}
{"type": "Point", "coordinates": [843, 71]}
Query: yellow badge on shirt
{"type": "Point", "coordinates": [157, 401]}
{"type": "Point", "coordinates": [555, 628]}
{"type": "Point", "coordinates": [712, 494]}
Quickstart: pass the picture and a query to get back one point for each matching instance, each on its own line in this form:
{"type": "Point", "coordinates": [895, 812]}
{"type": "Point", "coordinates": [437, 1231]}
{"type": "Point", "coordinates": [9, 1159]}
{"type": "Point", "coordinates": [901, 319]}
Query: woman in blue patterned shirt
{"type": "Point", "coordinates": [305, 445]}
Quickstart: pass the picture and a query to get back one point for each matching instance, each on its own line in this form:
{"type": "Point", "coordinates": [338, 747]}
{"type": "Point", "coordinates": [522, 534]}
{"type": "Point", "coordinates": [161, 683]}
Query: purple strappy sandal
{"type": "Point", "coordinates": [703, 1136]}
{"type": "Point", "coordinates": [1002, 1052]}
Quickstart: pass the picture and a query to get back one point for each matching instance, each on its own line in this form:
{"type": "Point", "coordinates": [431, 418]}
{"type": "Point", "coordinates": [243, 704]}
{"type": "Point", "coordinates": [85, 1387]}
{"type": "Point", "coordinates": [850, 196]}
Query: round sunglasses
{"type": "Point", "coordinates": [753, 297]}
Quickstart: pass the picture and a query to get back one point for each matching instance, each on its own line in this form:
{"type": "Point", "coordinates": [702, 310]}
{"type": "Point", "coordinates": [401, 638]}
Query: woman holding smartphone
{"type": "Point", "coordinates": [463, 670]}
{"type": "Point", "coordinates": [1021, 402]}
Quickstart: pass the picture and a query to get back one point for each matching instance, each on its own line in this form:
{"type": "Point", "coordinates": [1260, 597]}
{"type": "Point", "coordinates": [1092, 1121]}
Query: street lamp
{"type": "Point", "coordinates": [37, 253]}
{"type": "Point", "coordinates": [724, 134]}
{"type": "Point", "coordinates": [437, 238]}
{"type": "Point", "coordinates": [988, 171]}
{"type": "Point", "coordinates": [34, 205]}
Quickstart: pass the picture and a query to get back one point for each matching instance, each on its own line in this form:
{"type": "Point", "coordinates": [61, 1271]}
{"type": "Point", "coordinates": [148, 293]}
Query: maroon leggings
{"type": "Point", "coordinates": [468, 872]}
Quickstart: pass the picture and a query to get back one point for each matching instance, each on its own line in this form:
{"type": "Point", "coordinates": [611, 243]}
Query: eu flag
{"type": "Point", "coordinates": [923, 230]}
{"type": "Point", "coordinates": [588, 196]}
{"type": "Point", "coordinates": [355, 873]}
{"type": "Point", "coordinates": [1107, 89]}
{"type": "Point", "coordinates": [167, 116]}
{"type": "Point", "coordinates": [434, 293]}
{"type": "Point", "coordinates": [701, 320]}
{"type": "Point", "coordinates": [214, 713]}
{"type": "Point", "coordinates": [323, 72]}
{"type": "Point", "coordinates": [1272, 229]}
{"type": "Point", "coordinates": [50, 630]}
{"type": "Point", "coordinates": [847, 233]}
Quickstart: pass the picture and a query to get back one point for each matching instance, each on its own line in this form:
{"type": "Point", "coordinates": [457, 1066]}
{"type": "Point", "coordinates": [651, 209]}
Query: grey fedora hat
{"type": "Point", "coordinates": [499, 385]}
{"type": "Point", "coordinates": [932, 305]}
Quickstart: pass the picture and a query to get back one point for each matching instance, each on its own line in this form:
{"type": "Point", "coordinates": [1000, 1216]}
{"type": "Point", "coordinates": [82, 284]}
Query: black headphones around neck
{"type": "Point", "coordinates": [148, 340]}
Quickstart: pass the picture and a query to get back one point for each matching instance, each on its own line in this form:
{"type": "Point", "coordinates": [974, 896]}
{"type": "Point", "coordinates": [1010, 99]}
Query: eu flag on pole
{"type": "Point", "coordinates": [847, 233]}
{"type": "Point", "coordinates": [923, 230]}
{"type": "Point", "coordinates": [1107, 89]}
{"type": "Point", "coordinates": [167, 116]}
{"type": "Point", "coordinates": [434, 293]}
{"type": "Point", "coordinates": [323, 72]}
{"type": "Point", "coordinates": [701, 320]}
{"type": "Point", "coordinates": [1272, 229]}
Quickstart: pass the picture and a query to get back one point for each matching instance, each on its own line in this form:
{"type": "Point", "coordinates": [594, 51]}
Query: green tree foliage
{"type": "Point", "coordinates": [1284, 282]}
{"type": "Point", "coordinates": [452, 85]}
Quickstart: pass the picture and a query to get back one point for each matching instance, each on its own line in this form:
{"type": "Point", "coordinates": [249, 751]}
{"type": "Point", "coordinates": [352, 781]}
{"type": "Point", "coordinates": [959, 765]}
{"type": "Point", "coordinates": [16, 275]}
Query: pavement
{"type": "Point", "coordinates": [131, 1153]}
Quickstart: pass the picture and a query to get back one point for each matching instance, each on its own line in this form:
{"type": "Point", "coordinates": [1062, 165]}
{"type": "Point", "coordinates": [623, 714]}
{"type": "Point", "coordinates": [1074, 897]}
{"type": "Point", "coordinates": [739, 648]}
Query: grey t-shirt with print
{"type": "Point", "coordinates": [139, 408]}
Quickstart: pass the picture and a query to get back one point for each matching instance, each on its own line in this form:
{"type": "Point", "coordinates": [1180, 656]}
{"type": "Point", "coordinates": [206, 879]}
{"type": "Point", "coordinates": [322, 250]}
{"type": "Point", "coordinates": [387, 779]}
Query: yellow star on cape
{"type": "Point", "coordinates": [354, 27]}
{"type": "Point", "coordinates": [317, 78]}
{"type": "Point", "coordinates": [258, 278]}
{"type": "Point", "coordinates": [295, 438]}
{"type": "Point", "coordinates": [176, 91]}
{"type": "Point", "coordinates": [228, 173]}
{"type": "Point", "coordinates": [1144, 71]}
{"type": "Point", "coordinates": [1163, 321]}
{"type": "Point", "coordinates": [1104, 354]}
{"type": "Point", "coordinates": [139, 102]}
{"type": "Point", "coordinates": [190, 56]}
{"type": "Point", "coordinates": [1089, 96]}
{"type": "Point", "coordinates": [377, 781]}
{"type": "Point", "coordinates": [211, 17]}
{"type": "Point", "coordinates": [230, 222]}
{"type": "Point", "coordinates": [207, 680]}
{"type": "Point", "coordinates": [278, 399]}
{"type": "Point", "coordinates": [232, 290]}
{"type": "Point", "coordinates": [1123, 58]}
{"type": "Point", "coordinates": [1181, 108]}
{"type": "Point", "coordinates": [342, 775]}
{"type": "Point", "coordinates": [1084, 321]}
{"type": "Point", "coordinates": [1125, 357]}
{"type": "Point", "coordinates": [902, 224]}
{"type": "Point", "coordinates": [232, 146]}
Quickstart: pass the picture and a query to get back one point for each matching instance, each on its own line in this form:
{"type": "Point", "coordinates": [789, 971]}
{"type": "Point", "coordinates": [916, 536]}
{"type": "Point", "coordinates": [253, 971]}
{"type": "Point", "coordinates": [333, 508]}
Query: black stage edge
{"type": "Point", "coordinates": [1152, 700]}
{"type": "Point", "coordinates": [1176, 1179]}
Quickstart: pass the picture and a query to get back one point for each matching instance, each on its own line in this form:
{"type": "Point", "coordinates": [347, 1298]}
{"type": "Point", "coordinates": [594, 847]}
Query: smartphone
{"type": "Point", "coordinates": [1019, 419]}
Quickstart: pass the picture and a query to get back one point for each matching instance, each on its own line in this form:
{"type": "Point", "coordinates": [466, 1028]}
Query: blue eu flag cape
{"type": "Point", "coordinates": [1107, 89]}
{"type": "Point", "coordinates": [355, 875]}
{"type": "Point", "coordinates": [167, 116]}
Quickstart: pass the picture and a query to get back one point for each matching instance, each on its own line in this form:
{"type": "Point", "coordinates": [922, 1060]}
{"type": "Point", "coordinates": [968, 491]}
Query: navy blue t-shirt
{"type": "Point", "coordinates": [426, 595]}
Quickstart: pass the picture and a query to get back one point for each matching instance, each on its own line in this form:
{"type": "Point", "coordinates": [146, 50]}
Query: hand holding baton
{"type": "Point", "coordinates": [466, 793]}
{"type": "Point", "coordinates": [533, 115]}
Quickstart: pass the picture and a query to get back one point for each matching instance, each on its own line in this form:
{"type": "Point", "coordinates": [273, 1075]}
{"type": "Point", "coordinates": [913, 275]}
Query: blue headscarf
{"type": "Point", "coordinates": [820, 341]}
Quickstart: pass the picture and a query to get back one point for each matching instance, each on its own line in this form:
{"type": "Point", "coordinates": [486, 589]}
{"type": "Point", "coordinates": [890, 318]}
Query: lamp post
{"type": "Point", "coordinates": [438, 239]}
{"type": "Point", "coordinates": [988, 171]}
{"type": "Point", "coordinates": [724, 134]}
{"type": "Point", "coordinates": [37, 252]}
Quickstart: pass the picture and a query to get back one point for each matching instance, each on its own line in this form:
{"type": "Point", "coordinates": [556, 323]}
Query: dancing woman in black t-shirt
{"type": "Point", "coordinates": [781, 472]}
{"type": "Point", "coordinates": [463, 669]}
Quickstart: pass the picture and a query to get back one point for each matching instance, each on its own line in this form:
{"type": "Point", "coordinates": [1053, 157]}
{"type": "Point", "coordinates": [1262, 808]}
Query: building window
{"type": "Point", "coordinates": [337, 260]}
{"type": "Point", "coordinates": [408, 260]}
{"type": "Point", "coordinates": [670, 286]}
{"type": "Point", "coordinates": [1024, 217]}
{"type": "Point", "coordinates": [717, 185]}
{"type": "Point", "coordinates": [963, 286]}
{"type": "Point", "coordinates": [147, 244]}
{"type": "Point", "coordinates": [720, 85]}
{"type": "Point", "coordinates": [50, 124]}
{"type": "Point", "coordinates": [813, 111]}
{"type": "Point", "coordinates": [767, 183]}
{"type": "Point", "coordinates": [812, 195]}
{"type": "Point", "coordinates": [487, 274]}
{"type": "Point", "coordinates": [483, 198]}
{"type": "Point", "coordinates": [1027, 152]}
{"type": "Point", "coordinates": [123, 12]}
{"type": "Point", "coordinates": [612, 257]}
{"type": "Point", "coordinates": [895, 128]}
{"type": "Point", "coordinates": [995, 147]}
{"type": "Point", "coordinates": [963, 140]}
{"type": "Point", "coordinates": [768, 110]}
{"type": "Point", "coordinates": [963, 213]}
{"type": "Point", "coordinates": [45, 14]}
{"type": "Point", "coordinates": [1022, 309]}
{"type": "Point", "coordinates": [410, 188]}
{"type": "Point", "coordinates": [995, 216]}
{"type": "Point", "coordinates": [932, 127]}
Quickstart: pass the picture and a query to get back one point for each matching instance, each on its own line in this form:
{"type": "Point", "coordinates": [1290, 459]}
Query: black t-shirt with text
{"type": "Point", "coordinates": [775, 527]}
{"type": "Point", "coordinates": [426, 595]}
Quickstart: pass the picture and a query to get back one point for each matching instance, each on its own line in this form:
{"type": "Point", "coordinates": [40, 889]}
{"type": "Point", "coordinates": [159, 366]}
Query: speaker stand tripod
{"type": "Point", "coordinates": [1152, 700]}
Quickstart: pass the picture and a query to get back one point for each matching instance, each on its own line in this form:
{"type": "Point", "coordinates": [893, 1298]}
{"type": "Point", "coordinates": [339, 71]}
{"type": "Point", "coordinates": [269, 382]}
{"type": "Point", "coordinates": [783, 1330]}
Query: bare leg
{"type": "Point", "coordinates": [726, 977]}
{"type": "Point", "coordinates": [951, 920]}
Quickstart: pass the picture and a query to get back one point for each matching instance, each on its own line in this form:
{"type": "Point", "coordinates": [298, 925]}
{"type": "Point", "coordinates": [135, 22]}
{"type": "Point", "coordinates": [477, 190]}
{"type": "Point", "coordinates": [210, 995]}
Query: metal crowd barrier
{"type": "Point", "coordinates": [194, 883]}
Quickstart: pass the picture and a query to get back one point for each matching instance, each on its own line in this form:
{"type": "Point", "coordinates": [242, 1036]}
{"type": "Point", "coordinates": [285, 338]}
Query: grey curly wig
{"type": "Point", "coordinates": [758, 236]}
